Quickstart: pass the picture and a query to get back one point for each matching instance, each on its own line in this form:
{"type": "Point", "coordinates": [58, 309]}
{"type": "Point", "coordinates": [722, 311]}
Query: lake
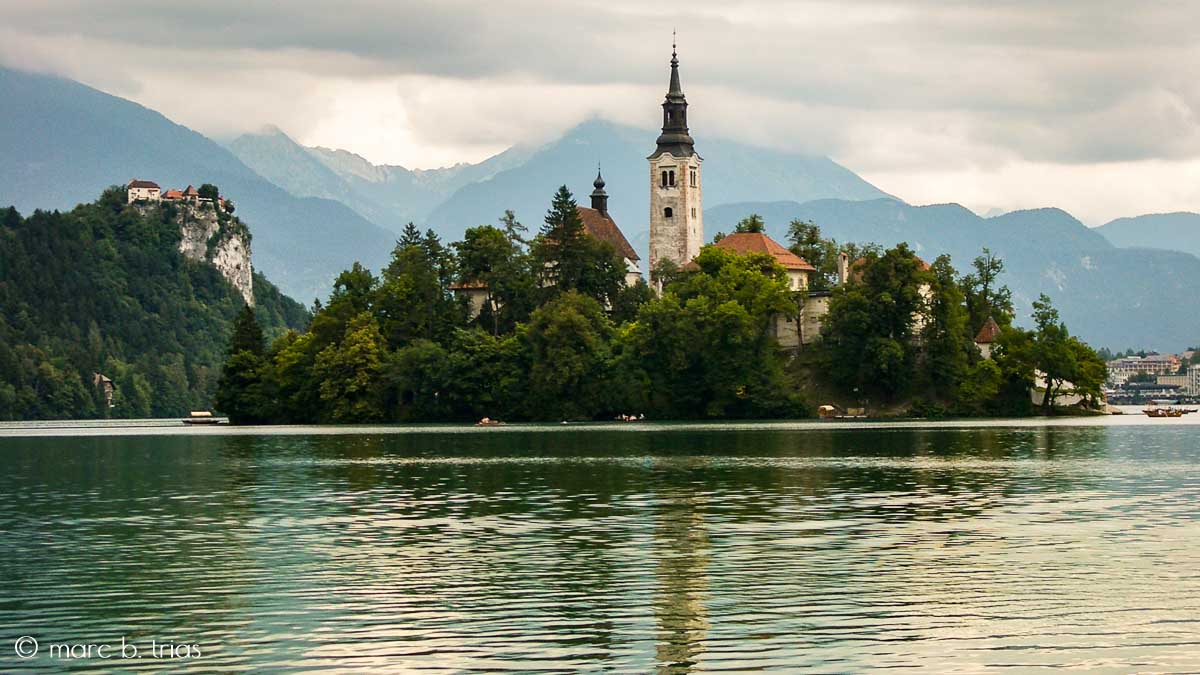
{"type": "Point", "coordinates": [827, 547]}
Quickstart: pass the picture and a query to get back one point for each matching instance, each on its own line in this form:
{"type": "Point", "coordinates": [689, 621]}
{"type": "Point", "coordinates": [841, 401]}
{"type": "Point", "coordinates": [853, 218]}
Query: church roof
{"type": "Point", "coordinates": [757, 242]}
{"type": "Point", "coordinates": [602, 227]}
{"type": "Point", "coordinates": [989, 332]}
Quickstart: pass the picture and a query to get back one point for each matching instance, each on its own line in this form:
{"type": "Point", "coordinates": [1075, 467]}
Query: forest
{"type": "Point", "coordinates": [560, 337]}
{"type": "Point", "coordinates": [102, 289]}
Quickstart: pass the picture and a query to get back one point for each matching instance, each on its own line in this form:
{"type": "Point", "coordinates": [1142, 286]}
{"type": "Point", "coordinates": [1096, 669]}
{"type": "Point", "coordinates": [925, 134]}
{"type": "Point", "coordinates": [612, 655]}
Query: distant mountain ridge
{"type": "Point", "coordinates": [1179, 231]}
{"type": "Point", "coordinates": [1114, 297]}
{"type": "Point", "coordinates": [61, 143]}
{"type": "Point", "coordinates": [388, 195]}
{"type": "Point", "coordinates": [451, 199]}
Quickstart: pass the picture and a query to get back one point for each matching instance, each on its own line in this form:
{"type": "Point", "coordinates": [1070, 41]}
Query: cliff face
{"type": "Point", "coordinates": [218, 239]}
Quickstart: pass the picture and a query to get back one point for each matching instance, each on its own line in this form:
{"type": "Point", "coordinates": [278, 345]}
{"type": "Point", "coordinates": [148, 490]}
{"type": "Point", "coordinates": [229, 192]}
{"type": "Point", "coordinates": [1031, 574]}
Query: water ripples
{"type": "Point", "coordinates": [700, 550]}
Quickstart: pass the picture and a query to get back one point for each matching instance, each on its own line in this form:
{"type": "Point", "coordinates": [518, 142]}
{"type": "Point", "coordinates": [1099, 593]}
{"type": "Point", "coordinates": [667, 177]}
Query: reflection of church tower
{"type": "Point", "coordinates": [681, 540]}
{"type": "Point", "coordinates": [676, 214]}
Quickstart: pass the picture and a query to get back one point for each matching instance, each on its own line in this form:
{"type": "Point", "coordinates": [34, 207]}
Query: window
{"type": "Point", "coordinates": [667, 212]}
{"type": "Point", "coordinates": [693, 178]}
{"type": "Point", "coordinates": [664, 179]}
{"type": "Point", "coordinates": [693, 212]}
{"type": "Point", "coordinates": [671, 178]}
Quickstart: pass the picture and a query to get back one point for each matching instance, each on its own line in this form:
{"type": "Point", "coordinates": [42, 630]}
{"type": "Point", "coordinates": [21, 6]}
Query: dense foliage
{"type": "Point", "coordinates": [558, 337]}
{"type": "Point", "coordinates": [102, 289]}
{"type": "Point", "coordinates": [900, 331]}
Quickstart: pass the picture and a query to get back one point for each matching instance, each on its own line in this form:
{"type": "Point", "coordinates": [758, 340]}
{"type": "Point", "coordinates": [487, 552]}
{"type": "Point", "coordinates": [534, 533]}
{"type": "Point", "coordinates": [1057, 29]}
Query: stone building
{"type": "Point", "coordinates": [676, 208]}
{"type": "Point", "coordinates": [142, 191]}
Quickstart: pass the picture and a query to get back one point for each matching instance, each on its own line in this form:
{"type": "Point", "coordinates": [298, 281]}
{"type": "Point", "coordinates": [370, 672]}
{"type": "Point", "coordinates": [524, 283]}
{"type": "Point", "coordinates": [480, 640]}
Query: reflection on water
{"type": "Point", "coordinates": [678, 550]}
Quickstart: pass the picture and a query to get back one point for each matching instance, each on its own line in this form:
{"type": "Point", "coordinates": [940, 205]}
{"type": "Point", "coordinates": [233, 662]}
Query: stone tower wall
{"type": "Point", "coordinates": [679, 237]}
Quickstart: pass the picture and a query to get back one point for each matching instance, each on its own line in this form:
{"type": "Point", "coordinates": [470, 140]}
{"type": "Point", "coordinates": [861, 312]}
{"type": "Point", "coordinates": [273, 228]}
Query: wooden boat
{"type": "Point", "coordinates": [489, 422]}
{"type": "Point", "coordinates": [1163, 412]}
{"type": "Point", "coordinates": [202, 417]}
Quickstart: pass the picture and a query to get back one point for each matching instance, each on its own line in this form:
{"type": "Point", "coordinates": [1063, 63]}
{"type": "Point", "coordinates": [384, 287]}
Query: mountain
{"type": "Point", "coordinates": [122, 291]}
{"type": "Point", "coordinates": [732, 172]}
{"type": "Point", "coordinates": [1110, 296]}
{"type": "Point", "coordinates": [61, 143]}
{"type": "Point", "coordinates": [1179, 231]}
{"type": "Point", "coordinates": [385, 194]}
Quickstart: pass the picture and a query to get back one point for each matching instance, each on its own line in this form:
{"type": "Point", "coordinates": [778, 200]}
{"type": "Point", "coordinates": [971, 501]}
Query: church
{"type": "Point", "coordinates": [677, 225]}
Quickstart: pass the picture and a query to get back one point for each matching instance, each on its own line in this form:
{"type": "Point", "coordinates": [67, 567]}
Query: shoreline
{"type": "Point", "coordinates": [174, 427]}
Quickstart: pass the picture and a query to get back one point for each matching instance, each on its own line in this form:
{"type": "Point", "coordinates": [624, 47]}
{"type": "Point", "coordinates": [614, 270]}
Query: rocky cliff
{"type": "Point", "coordinates": [214, 237]}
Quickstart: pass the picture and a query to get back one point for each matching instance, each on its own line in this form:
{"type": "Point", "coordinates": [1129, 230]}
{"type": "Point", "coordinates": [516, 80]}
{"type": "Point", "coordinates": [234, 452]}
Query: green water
{"type": "Point", "coordinates": [622, 549]}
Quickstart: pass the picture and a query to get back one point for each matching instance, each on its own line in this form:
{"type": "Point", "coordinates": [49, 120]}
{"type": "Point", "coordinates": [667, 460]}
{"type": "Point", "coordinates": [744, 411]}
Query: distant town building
{"type": "Point", "coordinates": [142, 191]}
{"type": "Point", "coordinates": [1123, 369]}
{"type": "Point", "coordinates": [1193, 380]}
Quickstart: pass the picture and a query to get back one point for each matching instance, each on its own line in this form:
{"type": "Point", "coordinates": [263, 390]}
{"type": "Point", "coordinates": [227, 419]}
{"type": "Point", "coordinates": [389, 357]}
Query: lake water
{"type": "Point", "coordinates": [634, 548]}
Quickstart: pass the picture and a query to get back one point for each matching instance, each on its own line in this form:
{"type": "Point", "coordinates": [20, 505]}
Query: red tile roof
{"type": "Point", "coordinates": [173, 194]}
{"type": "Point", "coordinates": [757, 242]}
{"type": "Point", "coordinates": [135, 183]}
{"type": "Point", "coordinates": [191, 192]}
{"type": "Point", "coordinates": [602, 227]}
{"type": "Point", "coordinates": [988, 333]}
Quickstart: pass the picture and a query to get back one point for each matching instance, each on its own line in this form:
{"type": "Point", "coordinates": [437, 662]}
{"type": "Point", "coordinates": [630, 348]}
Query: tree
{"type": "Point", "coordinates": [240, 392]}
{"type": "Point", "coordinates": [751, 223]}
{"type": "Point", "coordinates": [413, 301]}
{"type": "Point", "coordinates": [209, 191]}
{"type": "Point", "coordinates": [704, 350]}
{"type": "Point", "coordinates": [568, 259]}
{"type": "Point", "coordinates": [513, 229]}
{"type": "Point", "coordinates": [870, 326]}
{"type": "Point", "coordinates": [807, 242]}
{"type": "Point", "coordinates": [568, 340]}
{"type": "Point", "coordinates": [947, 349]}
{"type": "Point", "coordinates": [1053, 353]}
{"type": "Point", "coordinates": [247, 333]}
{"type": "Point", "coordinates": [985, 297]}
{"type": "Point", "coordinates": [348, 372]}
{"type": "Point", "coordinates": [489, 256]}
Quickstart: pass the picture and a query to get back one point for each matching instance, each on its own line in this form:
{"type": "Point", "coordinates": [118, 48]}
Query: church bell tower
{"type": "Point", "coordinates": [676, 213]}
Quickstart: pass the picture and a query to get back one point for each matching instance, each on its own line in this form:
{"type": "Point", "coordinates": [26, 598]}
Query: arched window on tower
{"type": "Point", "coordinates": [693, 178]}
{"type": "Point", "coordinates": [664, 179]}
{"type": "Point", "coordinates": [667, 212]}
{"type": "Point", "coordinates": [671, 178]}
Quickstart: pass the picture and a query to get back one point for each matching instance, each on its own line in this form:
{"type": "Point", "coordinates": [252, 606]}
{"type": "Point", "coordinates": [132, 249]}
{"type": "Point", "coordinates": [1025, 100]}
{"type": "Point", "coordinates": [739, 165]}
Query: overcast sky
{"type": "Point", "coordinates": [1090, 105]}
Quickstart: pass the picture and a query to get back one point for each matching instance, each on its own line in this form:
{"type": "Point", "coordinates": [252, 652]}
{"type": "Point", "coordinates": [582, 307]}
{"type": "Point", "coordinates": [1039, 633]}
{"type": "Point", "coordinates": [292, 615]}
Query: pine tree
{"type": "Point", "coordinates": [247, 333]}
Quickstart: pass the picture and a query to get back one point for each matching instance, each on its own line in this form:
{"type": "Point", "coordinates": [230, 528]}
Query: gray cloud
{"type": "Point", "coordinates": [886, 85]}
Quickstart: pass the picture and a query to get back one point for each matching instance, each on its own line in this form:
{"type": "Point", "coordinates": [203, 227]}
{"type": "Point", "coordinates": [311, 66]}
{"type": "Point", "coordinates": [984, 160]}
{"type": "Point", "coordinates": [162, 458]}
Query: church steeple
{"type": "Point", "coordinates": [599, 196]}
{"type": "Point", "coordinates": [675, 138]}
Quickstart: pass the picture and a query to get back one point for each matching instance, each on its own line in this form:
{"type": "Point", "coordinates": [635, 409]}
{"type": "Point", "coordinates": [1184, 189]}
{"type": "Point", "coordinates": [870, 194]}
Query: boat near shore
{"type": "Point", "coordinates": [203, 417]}
{"type": "Point", "coordinates": [1158, 411]}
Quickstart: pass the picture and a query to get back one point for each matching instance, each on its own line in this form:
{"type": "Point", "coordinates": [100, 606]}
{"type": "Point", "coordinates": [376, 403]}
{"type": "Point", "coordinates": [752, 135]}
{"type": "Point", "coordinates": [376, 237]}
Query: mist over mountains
{"type": "Point", "coordinates": [314, 211]}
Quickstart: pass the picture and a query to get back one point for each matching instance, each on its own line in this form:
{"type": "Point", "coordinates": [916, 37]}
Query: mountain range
{"type": "Point", "coordinates": [524, 178]}
{"type": "Point", "coordinates": [317, 210]}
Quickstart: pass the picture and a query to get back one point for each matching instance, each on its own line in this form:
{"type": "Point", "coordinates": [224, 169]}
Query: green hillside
{"type": "Point", "coordinates": [104, 289]}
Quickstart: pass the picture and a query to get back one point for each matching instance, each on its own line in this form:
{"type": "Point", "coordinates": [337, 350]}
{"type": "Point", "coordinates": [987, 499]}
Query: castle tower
{"type": "Point", "coordinates": [676, 213]}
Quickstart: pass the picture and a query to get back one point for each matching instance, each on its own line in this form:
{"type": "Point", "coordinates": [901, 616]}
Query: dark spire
{"type": "Point", "coordinates": [599, 196]}
{"type": "Point", "coordinates": [675, 138]}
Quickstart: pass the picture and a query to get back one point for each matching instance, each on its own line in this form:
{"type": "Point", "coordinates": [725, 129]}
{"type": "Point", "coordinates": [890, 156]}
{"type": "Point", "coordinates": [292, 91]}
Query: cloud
{"type": "Point", "coordinates": [893, 88]}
